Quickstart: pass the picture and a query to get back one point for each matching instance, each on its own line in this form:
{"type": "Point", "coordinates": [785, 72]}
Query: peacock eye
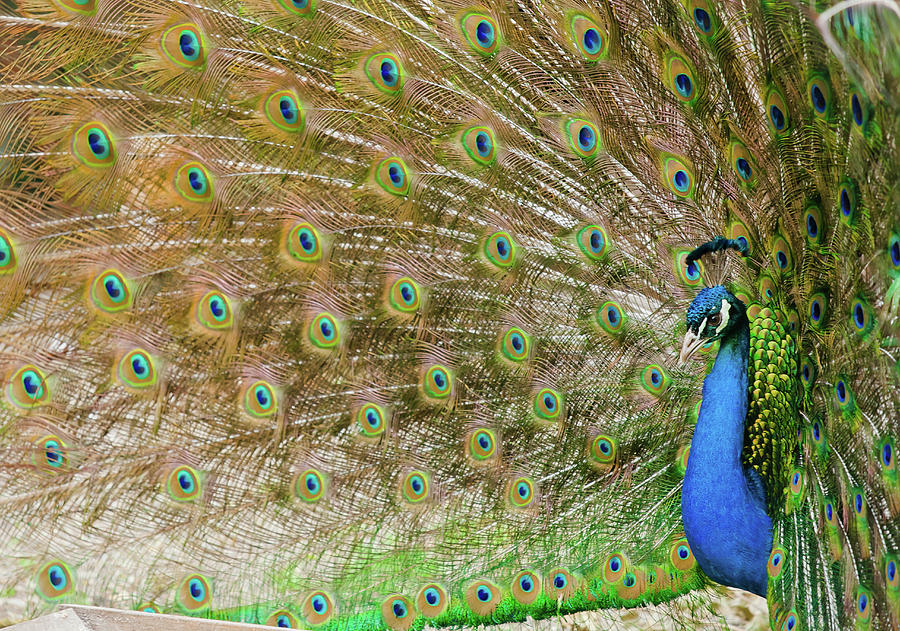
{"type": "Point", "coordinates": [715, 319]}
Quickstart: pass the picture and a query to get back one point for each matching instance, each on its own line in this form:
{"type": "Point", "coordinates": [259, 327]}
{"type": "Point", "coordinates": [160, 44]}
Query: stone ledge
{"type": "Point", "coordinates": [84, 618]}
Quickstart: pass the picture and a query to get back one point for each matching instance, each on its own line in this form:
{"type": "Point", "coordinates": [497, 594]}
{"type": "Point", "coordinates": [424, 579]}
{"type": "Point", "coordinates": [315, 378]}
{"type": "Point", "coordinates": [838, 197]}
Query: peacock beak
{"type": "Point", "coordinates": [692, 341]}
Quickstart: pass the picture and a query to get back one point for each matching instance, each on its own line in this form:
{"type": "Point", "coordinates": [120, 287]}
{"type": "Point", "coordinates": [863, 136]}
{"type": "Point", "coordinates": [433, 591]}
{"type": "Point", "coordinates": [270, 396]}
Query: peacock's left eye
{"type": "Point", "coordinates": [715, 319]}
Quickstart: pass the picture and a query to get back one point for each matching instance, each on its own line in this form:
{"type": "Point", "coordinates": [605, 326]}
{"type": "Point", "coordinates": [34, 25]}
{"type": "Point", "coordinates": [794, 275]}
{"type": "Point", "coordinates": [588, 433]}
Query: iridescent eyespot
{"type": "Point", "coordinates": [415, 487]}
{"type": "Point", "coordinates": [812, 224]}
{"type": "Point", "coordinates": [303, 243]}
{"type": "Point", "coordinates": [547, 404]}
{"type": "Point", "coordinates": [861, 317]}
{"type": "Point", "coordinates": [613, 568]}
{"type": "Point", "coordinates": [260, 400]}
{"type": "Point", "coordinates": [818, 92]}
{"type": "Point", "coordinates": [183, 45]}
{"type": "Point", "coordinates": [691, 274]}
{"type": "Point", "coordinates": [54, 580]}
{"type": "Point", "coordinates": [767, 288]}
{"type": "Point", "coordinates": [560, 584]}
{"type": "Point", "coordinates": [603, 450]}
{"type": "Point", "coordinates": [324, 331]}
{"type": "Point", "coordinates": [681, 556]}
{"type": "Point", "coordinates": [50, 454]}
{"type": "Point", "coordinates": [702, 16]}
{"type": "Point", "coordinates": [654, 379]}
{"type": "Point", "coordinates": [818, 433]}
{"type": "Point", "coordinates": [371, 419]}
{"type": "Point", "coordinates": [214, 311]}
{"type": "Point", "coordinates": [894, 250]}
{"type": "Point", "coordinates": [859, 502]}
{"type": "Point", "coordinates": [109, 292]}
{"type": "Point", "coordinates": [183, 484]}
{"type": "Point", "coordinates": [790, 621]}
{"type": "Point", "coordinates": [500, 249]}
{"type": "Point", "coordinates": [797, 483]}
{"type": "Point", "coordinates": [317, 608]}
{"type": "Point", "coordinates": [818, 310]}
{"type": "Point", "coordinates": [479, 144]}
{"type": "Point", "coordinates": [193, 593]}
{"type": "Point", "coordinates": [886, 454]}
{"type": "Point", "coordinates": [309, 485]}
{"type": "Point", "coordinates": [590, 39]}
{"type": "Point", "coordinates": [807, 372]}
{"type": "Point", "coordinates": [583, 137]}
{"type": "Point", "coordinates": [193, 183]}
{"type": "Point", "coordinates": [515, 345]}
{"type": "Point", "coordinates": [398, 613]}
{"type": "Point", "coordinates": [385, 72]}
{"type": "Point", "coordinates": [393, 176]}
{"type": "Point", "coordinates": [782, 255]}
{"type": "Point", "coordinates": [283, 110]}
{"type": "Point", "coordinates": [437, 382]}
{"type": "Point", "coordinates": [681, 458]}
{"type": "Point", "coordinates": [93, 146]}
{"type": "Point", "coordinates": [526, 587]}
{"type": "Point", "coordinates": [78, 7]}
{"type": "Point", "coordinates": [432, 600]}
{"type": "Point", "coordinates": [481, 32]}
{"type": "Point", "coordinates": [742, 162]}
{"type": "Point", "coordinates": [28, 388]}
{"type": "Point", "coordinates": [283, 619]}
{"type": "Point", "coordinates": [593, 242]}
{"type": "Point", "coordinates": [678, 177]}
{"type": "Point", "coordinates": [777, 111]}
{"type": "Point", "coordinates": [863, 600]}
{"type": "Point", "coordinates": [891, 575]}
{"type": "Point", "coordinates": [776, 563]}
{"type": "Point", "coordinates": [842, 393]}
{"type": "Point", "coordinates": [404, 295]}
{"type": "Point", "coordinates": [137, 370]}
{"type": "Point", "coordinates": [303, 8]}
{"type": "Point", "coordinates": [680, 78]}
{"type": "Point", "coordinates": [482, 444]}
{"type": "Point", "coordinates": [611, 317]}
{"type": "Point", "coordinates": [148, 607]}
{"type": "Point", "coordinates": [7, 254]}
{"type": "Point", "coordinates": [521, 492]}
{"type": "Point", "coordinates": [482, 597]}
{"type": "Point", "coordinates": [847, 200]}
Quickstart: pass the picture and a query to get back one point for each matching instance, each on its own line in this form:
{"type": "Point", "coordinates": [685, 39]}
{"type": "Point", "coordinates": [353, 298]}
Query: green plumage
{"type": "Point", "coordinates": [308, 307]}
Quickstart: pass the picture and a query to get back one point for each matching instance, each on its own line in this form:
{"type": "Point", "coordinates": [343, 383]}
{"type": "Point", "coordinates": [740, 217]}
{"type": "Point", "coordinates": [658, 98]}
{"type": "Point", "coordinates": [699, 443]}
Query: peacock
{"type": "Point", "coordinates": [338, 315]}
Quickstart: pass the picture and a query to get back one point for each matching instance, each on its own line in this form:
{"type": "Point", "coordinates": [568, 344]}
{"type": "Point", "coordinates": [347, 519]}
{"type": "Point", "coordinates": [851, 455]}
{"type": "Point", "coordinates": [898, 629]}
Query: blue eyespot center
{"type": "Point", "coordinates": [288, 109]}
{"type": "Point", "coordinates": [841, 390]}
{"type": "Point", "coordinates": [684, 85]}
{"type": "Point", "coordinates": [483, 144]}
{"type": "Point", "coordinates": [326, 328]}
{"type": "Point", "coordinates": [777, 117]}
{"type": "Point", "coordinates": [484, 441]}
{"type": "Point", "coordinates": [52, 453]}
{"type": "Point", "coordinates": [307, 240]}
{"type": "Point", "coordinates": [549, 402]}
{"type": "Point", "coordinates": [812, 227]}
{"type": "Point", "coordinates": [196, 180]}
{"type": "Point", "coordinates": [114, 288]}
{"type": "Point", "coordinates": [895, 252]}
{"type": "Point", "coordinates": [484, 32]}
{"type": "Point", "coordinates": [592, 41]}
{"type": "Point", "coordinates": [612, 314]}
{"type": "Point", "coordinates": [523, 490]}
{"type": "Point", "coordinates": [815, 310]}
{"type": "Point", "coordinates": [57, 577]}
{"type": "Point", "coordinates": [195, 587]}
{"type": "Point", "coordinates": [432, 597]}
{"type": "Point", "coordinates": [817, 433]}
{"type": "Point", "coordinates": [796, 479]}
{"type": "Point", "coordinates": [526, 584]}
{"type": "Point", "coordinates": [283, 622]}
{"type": "Point", "coordinates": [399, 608]}
{"type": "Point", "coordinates": [683, 552]}
{"type": "Point", "coordinates": [743, 168]}
{"type": "Point", "coordinates": [702, 20]}
{"type": "Point", "coordinates": [596, 240]}
{"type": "Point", "coordinates": [262, 396]}
{"type": "Point", "coordinates": [312, 483]}
{"type": "Point", "coordinates": [189, 45]}
{"type": "Point", "coordinates": [629, 580]}
{"type": "Point", "coordinates": [586, 138]}
{"type": "Point", "coordinates": [859, 502]}
{"type": "Point", "coordinates": [559, 581]}
{"type": "Point", "coordinates": [502, 247]}
{"type": "Point", "coordinates": [604, 446]}
{"type": "Point", "coordinates": [439, 380]}
{"type": "Point", "coordinates": [389, 73]}
{"type": "Point", "coordinates": [31, 382]}
{"type": "Point", "coordinates": [98, 143]}
{"type": "Point", "coordinates": [846, 207]}
{"type": "Point", "coordinates": [318, 604]}
{"type": "Point", "coordinates": [829, 511]}
{"type": "Point", "coordinates": [818, 98]}
{"type": "Point", "coordinates": [681, 180]}
{"type": "Point", "coordinates": [856, 106]}
{"type": "Point", "coordinates": [396, 174]}
{"type": "Point", "coordinates": [887, 454]}
{"type": "Point", "coordinates": [217, 308]}
{"type": "Point", "coordinates": [891, 570]}
{"type": "Point", "coordinates": [417, 484]}
{"type": "Point", "coordinates": [863, 603]}
{"type": "Point", "coordinates": [483, 594]}
{"type": "Point", "coordinates": [186, 481]}
{"type": "Point", "coordinates": [614, 564]}
{"type": "Point", "coordinates": [517, 342]}
{"type": "Point", "coordinates": [859, 316]}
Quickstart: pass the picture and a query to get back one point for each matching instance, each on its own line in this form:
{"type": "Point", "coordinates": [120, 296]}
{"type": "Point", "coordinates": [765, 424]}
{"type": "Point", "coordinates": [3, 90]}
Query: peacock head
{"type": "Point", "coordinates": [713, 314]}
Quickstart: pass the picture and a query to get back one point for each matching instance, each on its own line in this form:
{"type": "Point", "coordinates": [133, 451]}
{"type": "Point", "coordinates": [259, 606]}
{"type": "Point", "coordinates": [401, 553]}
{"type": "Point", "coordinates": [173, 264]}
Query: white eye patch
{"type": "Point", "coordinates": [726, 309]}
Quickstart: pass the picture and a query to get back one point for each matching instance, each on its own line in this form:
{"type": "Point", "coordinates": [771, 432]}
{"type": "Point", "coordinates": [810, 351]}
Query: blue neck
{"type": "Point", "coordinates": [722, 503]}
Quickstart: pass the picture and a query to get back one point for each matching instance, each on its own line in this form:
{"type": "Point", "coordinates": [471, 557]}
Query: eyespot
{"type": "Point", "coordinates": [481, 32]}
{"type": "Point", "coordinates": [283, 619]}
{"type": "Point", "coordinates": [50, 454]}
{"type": "Point", "coordinates": [432, 600]}
{"type": "Point", "coordinates": [777, 111]}
{"type": "Point", "coordinates": [193, 183]}
{"type": "Point", "coordinates": [28, 388]}
{"type": "Point", "coordinates": [93, 146]}
{"type": "Point", "coordinates": [593, 242]}
{"type": "Point", "coordinates": [385, 72]}
{"type": "Point", "coordinates": [526, 587]}
{"type": "Point", "coordinates": [404, 295]}
{"type": "Point", "coordinates": [776, 563]}
{"type": "Point", "coordinates": [886, 454]}
{"type": "Point", "coordinates": [793, 321]}
{"type": "Point", "coordinates": [790, 621]}
{"type": "Point", "coordinates": [739, 232]}
{"type": "Point", "coordinates": [303, 243]}
{"type": "Point", "coordinates": [691, 274]}
{"type": "Point", "coordinates": [702, 17]}
{"type": "Point", "coordinates": [7, 254]}
{"type": "Point", "coordinates": [613, 568]}
{"type": "Point", "coordinates": [611, 317]}
{"type": "Point", "coordinates": [859, 502]}
{"type": "Point", "coordinates": [603, 450]}
{"type": "Point", "coordinates": [371, 419]}
{"type": "Point", "coordinates": [260, 400]}
{"type": "Point", "coordinates": [283, 110]}
{"type": "Point", "coordinates": [183, 484]}
{"type": "Point", "coordinates": [437, 382]}
{"type": "Point", "coordinates": [678, 177]}
{"type": "Point", "coordinates": [830, 512]}
{"type": "Point", "coordinates": [482, 444]}
{"type": "Point", "coordinates": [583, 137]}
{"type": "Point", "coordinates": [797, 483]}
{"type": "Point", "coordinates": [891, 576]}
{"type": "Point", "coordinates": [590, 38]}
{"type": "Point", "coordinates": [324, 331]}
{"type": "Point", "coordinates": [547, 404]}
{"type": "Point", "coordinates": [680, 78]}
{"type": "Point", "coordinates": [560, 584]}
{"type": "Point", "coordinates": [521, 492]}
{"type": "Point", "coordinates": [397, 612]}
{"type": "Point", "coordinates": [137, 370]}
{"type": "Point", "coordinates": [54, 580]}
{"type": "Point", "coordinates": [681, 458]}
{"type": "Point", "coordinates": [480, 145]}
{"type": "Point", "coordinates": [847, 201]}
{"type": "Point", "coordinates": [303, 8]}
{"type": "Point", "coordinates": [309, 485]}
{"type": "Point", "coordinates": [317, 608]}
{"type": "Point", "coordinates": [812, 224]}
{"type": "Point", "coordinates": [861, 317]}
{"type": "Point", "coordinates": [681, 556]}
{"type": "Point", "coordinates": [742, 162]}
{"type": "Point", "coordinates": [894, 250]}
{"type": "Point", "coordinates": [214, 311]}
{"type": "Point", "coordinates": [807, 372]}
{"type": "Point", "coordinates": [482, 597]}
{"type": "Point", "coordinates": [183, 45]}
{"type": "Point", "coordinates": [819, 94]}
{"type": "Point", "coordinates": [842, 393]}
{"type": "Point", "coordinates": [500, 249]}
{"type": "Point", "coordinates": [194, 593]}
{"type": "Point", "coordinates": [515, 344]}
{"type": "Point", "coordinates": [415, 487]}
{"type": "Point", "coordinates": [109, 292]}
{"type": "Point", "coordinates": [858, 109]}
{"type": "Point", "coordinates": [78, 7]}
{"type": "Point", "coordinates": [782, 255]}
{"type": "Point", "coordinates": [818, 310]}
{"type": "Point", "coordinates": [863, 600]}
{"type": "Point", "coordinates": [393, 176]}
{"type": "Point", "coordinates": [148, 607]}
